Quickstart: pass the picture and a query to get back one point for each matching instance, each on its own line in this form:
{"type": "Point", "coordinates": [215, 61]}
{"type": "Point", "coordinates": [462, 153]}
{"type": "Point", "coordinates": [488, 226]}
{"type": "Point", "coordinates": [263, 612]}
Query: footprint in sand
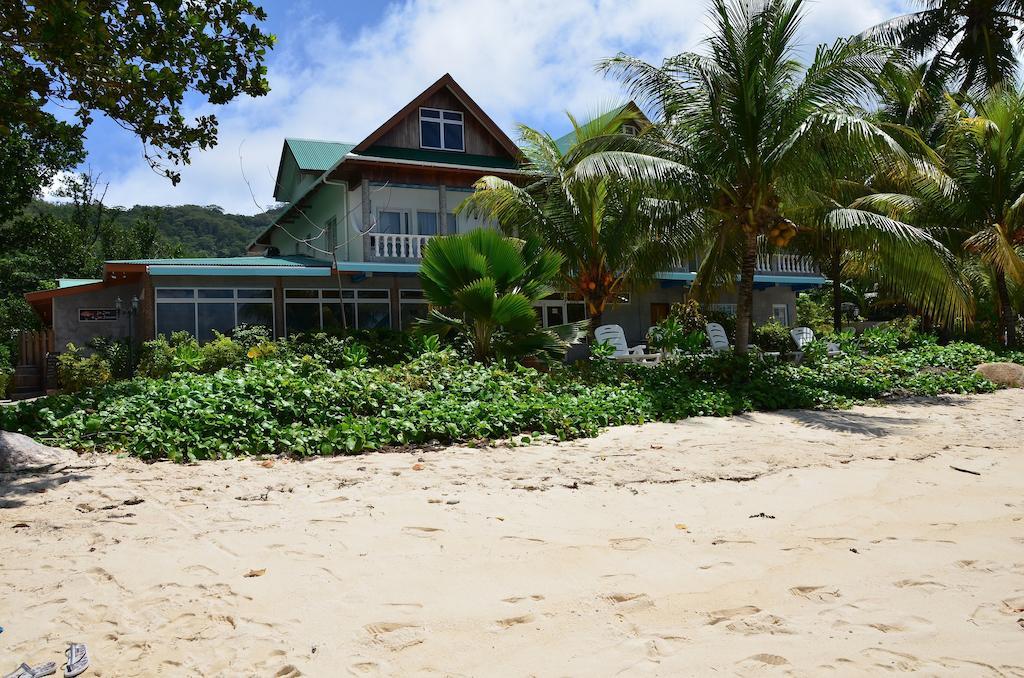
{"type": "Point", "coordinates": [724, 563]}
{"type": "Point", "coordinates": [816, 593]}
{"type": "Point", "coordinates": [421, 531]}
{"type": "Point", "coordinates": [518, 599]}
{"type": "Point", "coordinates": [749, 620]}
{"type": "Point", "coordinates": [719, 616]}
{"type": "Point", "coordinates": [395, 636]}
{"type": "Point", "coordinates": [515, 621]}
{"type": "Point", "coordinates": [630, 601]}
{"type": "Point", "coordinates": [764, 658]}
{"type": "Point", "coordinates": [923, 583]}
{"type": "Point", "coordinates": [629, 543]}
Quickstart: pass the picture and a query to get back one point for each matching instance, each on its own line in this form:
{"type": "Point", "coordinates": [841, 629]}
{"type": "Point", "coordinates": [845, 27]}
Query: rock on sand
{"type": "Point", "coordinates": [20, 453]}
{"type": "Point", "coordinates": [1004, 374]}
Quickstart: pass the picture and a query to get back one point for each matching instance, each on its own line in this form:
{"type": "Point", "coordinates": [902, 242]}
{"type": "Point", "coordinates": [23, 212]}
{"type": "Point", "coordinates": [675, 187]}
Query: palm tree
{"type": "Point", "coordinates": [975, 35]}
{"type": "Point", "coordinates": [975, 197]}
{"type": "Point", "coordinates": [749, 131]}
{"type": "Point", "coordinates": [612, 235]}
{"type": "Point", "coordinates": [483, 285]}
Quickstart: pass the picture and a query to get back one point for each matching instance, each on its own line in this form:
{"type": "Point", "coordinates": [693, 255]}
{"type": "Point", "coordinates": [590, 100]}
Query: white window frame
{"type": "Point", "coordinates": [785, 313]}
{"type": "Point", "coordinates": [402, 300]}
{"type": "Point", "coordinates": [196, 301]}
{"type": "Point", "coordinates": [440, 120]}
{"type": "Point", "coordinates": [319, 299]}
{"type": "Point", "coordinates": [630, 129]}
{"type": "Point", "coordinates": [562, 302]}
{"type": "Point", "coordinates": [728, 309]}
{"type": "Point", "coordinates": [405, 227]}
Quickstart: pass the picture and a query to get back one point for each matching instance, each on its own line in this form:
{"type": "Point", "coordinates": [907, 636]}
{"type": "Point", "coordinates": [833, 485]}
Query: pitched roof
{"type": "Point", "coordinates": [316, 154]}
{"type": "Point", "coordinates": [445, 81]}
{"type": "Point", "coordinates": [565, 142]}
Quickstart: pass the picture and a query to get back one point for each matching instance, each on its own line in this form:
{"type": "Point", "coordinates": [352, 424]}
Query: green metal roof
{"type": "Point", "coordinates": [290, 261]}
{"type": "Point", "coordinates": [440, 157]}
{"type": "Point", "coordinates": [317, 155]}
{"type": "Point", "coordinates": [565, 142]}
{"type": "Point", "coordinates": [63, 283]}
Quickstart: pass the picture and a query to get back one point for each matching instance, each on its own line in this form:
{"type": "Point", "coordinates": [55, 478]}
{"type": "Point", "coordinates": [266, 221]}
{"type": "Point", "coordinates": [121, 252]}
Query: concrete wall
{"type": "Point", "coordinates": [329, 202]}
{"type": "Point", "coordinates": [68, 328]}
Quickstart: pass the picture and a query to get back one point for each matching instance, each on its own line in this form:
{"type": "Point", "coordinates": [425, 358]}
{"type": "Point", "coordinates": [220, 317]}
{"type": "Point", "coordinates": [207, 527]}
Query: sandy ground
{"type": "Point", "coordinates": [794, 543]}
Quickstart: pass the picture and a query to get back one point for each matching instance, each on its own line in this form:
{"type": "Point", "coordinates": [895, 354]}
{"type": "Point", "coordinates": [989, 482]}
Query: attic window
{"type": "Point", "coordinates": [630, 130]}
{"type": "Point", "coordinates": [441, 130]}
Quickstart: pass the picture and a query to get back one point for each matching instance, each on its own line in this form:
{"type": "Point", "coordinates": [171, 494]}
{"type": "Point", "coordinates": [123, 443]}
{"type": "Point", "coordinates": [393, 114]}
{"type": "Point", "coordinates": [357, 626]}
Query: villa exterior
{"type": "Point", "coordinates": [357, 219]}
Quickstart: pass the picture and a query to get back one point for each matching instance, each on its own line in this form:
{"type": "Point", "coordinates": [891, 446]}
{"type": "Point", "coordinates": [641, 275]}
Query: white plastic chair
{"type": "Point", "coordinates": [719, 339]}
{"type": "Point", "coordinates": [805, 335]}
{"type": "Point", "coordinates": [613, 335]}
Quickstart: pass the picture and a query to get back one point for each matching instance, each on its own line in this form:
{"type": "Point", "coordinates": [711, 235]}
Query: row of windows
{"type": "Point", "coordinates": [313, 310]}
{"type": "Point", "coordinates": [202, 311]}
{"type": "Point", "coordinates": [401, 222]}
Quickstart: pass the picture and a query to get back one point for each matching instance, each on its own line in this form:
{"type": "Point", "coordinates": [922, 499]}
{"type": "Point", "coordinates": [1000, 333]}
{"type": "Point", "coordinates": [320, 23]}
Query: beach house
{"type": "Point", "coordinates": [345, 250]}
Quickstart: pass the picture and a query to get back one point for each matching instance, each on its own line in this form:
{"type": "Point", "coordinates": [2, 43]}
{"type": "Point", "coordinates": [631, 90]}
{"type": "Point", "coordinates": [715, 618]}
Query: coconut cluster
{"type": "Point", "coordinates": [781, 233]}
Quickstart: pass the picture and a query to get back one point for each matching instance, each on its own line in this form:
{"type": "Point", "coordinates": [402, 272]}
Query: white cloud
{"type": "Point", "coordinates": [522, 60]}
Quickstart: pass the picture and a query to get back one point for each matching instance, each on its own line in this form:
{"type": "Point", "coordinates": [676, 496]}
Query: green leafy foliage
{"type": "Point", "coordinates": [77, 371]}
{"type": "Point", "coordinates": [813, 311]}
{"type": "Point", "coordinates": [773, 336]}
{"type": "Point", "coordinates": [292, 403]}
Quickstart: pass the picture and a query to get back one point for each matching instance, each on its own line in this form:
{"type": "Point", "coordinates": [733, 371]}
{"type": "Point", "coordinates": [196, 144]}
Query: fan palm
{"type": "Point", "coordinates": [975, 198]}
{"type": "Point", "coordinates": [483, 285]}
{"type": "Point", "coordinates": [749, 131]}
{"type": "Point", "coordinates": [612, 235]}
{"type": "Point", "coordinates": [977, 35]}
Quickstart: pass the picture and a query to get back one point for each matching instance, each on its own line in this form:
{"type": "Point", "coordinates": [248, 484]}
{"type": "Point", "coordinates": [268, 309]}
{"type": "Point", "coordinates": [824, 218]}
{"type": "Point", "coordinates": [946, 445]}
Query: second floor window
{"type": "Point", "coordinates": [442, 130]}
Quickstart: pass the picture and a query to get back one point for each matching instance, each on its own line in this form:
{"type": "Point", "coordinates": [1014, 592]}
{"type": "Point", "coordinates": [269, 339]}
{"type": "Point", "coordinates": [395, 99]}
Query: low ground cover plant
{"type": "Point", "coordinates": [320, 395]}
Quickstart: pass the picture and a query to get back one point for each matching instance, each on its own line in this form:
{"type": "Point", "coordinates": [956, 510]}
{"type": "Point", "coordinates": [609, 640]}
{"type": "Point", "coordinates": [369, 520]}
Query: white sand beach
{"type": "Point", "coordinates": [793, 543]}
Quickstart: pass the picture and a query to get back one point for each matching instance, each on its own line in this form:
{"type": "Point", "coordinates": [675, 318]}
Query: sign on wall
{"type": "Point", "coordinates": [92, 315]}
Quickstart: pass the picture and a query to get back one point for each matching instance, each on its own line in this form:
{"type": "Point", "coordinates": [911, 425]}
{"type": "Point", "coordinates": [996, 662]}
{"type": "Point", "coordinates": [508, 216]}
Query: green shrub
{"type": "Point", "coordinates": [222, 352]}
{"type": "Point", "coordinates": [251, 335]}
{"type": "Point", "coordinates": [156, 358]}
{"type": "Point", "coordinates": [117, 353]}
{"type": "Point", "coordinates": [296, 404]}
{"type": "Point", "coordinates": [6, 369]}
{"type": "Point", "coordinates": [813, 312]}
{"type": "Point", "coordinates": [690, 315]}
{"type": "Point", "coordinates": [894, 335]}
{"type": "Point", "coordinates": [77, 371]}
{"type": "Point", "coordinates": [773, 336]}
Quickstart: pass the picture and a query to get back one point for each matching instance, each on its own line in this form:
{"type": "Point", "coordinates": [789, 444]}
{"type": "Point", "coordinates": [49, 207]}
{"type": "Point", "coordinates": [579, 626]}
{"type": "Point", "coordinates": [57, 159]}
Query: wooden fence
{"type": "Point", "coordinates": [33, 347]}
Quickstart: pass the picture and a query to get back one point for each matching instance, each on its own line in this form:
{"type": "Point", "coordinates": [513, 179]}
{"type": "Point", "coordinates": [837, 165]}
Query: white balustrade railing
{"type": "Point", "coordinates": [785, 263]}
{"type": "Point", "coordinates": [397, 245]}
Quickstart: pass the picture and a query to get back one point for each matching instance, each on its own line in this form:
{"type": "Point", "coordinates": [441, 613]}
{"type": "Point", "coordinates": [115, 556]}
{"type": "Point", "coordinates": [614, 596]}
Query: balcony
{"type": "Point", "coordinates": [400, 247]}
{"type": "Point", "coordinates": [788, 264]}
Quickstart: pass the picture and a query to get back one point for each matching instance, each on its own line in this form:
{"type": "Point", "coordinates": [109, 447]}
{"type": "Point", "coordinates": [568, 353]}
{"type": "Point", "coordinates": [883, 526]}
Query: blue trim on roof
{"type": "Point", "coordinates": [376, 267]}
{"type": "Point", "coordinates": [808, 280]}
{"type": "Point", "coordinates": [239, 271]}
{"type": "Point", "coordinates": [251, 261]}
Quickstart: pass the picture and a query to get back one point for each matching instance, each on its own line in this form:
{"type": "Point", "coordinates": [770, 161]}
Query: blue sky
{"type": "Point", "coordinates": [342, 68]}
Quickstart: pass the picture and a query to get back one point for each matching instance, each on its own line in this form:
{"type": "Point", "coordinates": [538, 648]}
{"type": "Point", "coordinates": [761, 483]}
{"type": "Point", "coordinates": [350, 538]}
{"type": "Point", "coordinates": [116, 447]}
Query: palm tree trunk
{"type": "Point", "coordinates": [1007, 316]}
{"type": "Point", "coordinates": [745, 293]}
{"type": "Point", "coordinates": [837, 294]}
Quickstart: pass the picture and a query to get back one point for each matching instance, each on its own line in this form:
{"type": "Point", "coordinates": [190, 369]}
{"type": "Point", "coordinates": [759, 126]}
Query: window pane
{"type": "Point", "coordinates": [301, 317]}
{"type": "Point", "coordinates": [453, 137]}
{"type": "Point", "coordinates": [555, 316]}
{"type": "Point", "coordinates": [257, 314]}
{"type": "Point", "coordinates": [389, 222]}
{"type": "Point", "coordinates": [255, 294]}
{"type": "Point", "coordinates": [301, 294]}
{"type": "Point", "coordinates": [216, 294]}
{"type": "Point", "coordinates": [373, 294]}
{"type": "Point", "coordinates": [175, 293]}
{"type": "Point", "coordinates": [411, 294]}
{"type": "Point", "coordinates": [175, 318]}
{"type": "Point", "coordinates": [576, 311]}
{"type": "Point", "coordinates": [333, 319]}
{"type": "Point", "coordinates": [220, 317]}
{"type": "Point", "coordinates": [430, 134]}
{"type": "Point", "coordinates": [374, 315]}
{"type": "Point", "coordinates": [453, 115]}
{"type": "Point", "coordinates": [411, 313]}
{"type": "Point", "coordinates": [429, 113]}
{"type": "Point", "coordinates": [426, 222]}
{"type": "Point", "coordinates": [328, 294]}
{"type": "Point", "coordinates": [453, 223]}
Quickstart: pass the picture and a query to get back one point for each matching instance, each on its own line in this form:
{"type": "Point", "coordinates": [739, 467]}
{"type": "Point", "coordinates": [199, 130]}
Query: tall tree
{"type": "Point", "coordinates": [974, 198]}
{"type": "Point", "coordinates": [977, 35]}
{"type": "Point", "coordinates": [612, 235]}
{"type": "Point", "coordinates": [748, 123]}
{"type": "Point", "coordinates": [134, 61]}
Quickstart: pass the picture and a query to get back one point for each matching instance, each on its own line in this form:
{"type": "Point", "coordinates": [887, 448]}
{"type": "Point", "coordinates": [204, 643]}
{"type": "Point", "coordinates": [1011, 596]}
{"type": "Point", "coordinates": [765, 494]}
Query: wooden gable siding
{"type": "Point", "coordinates": [406, 134]}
